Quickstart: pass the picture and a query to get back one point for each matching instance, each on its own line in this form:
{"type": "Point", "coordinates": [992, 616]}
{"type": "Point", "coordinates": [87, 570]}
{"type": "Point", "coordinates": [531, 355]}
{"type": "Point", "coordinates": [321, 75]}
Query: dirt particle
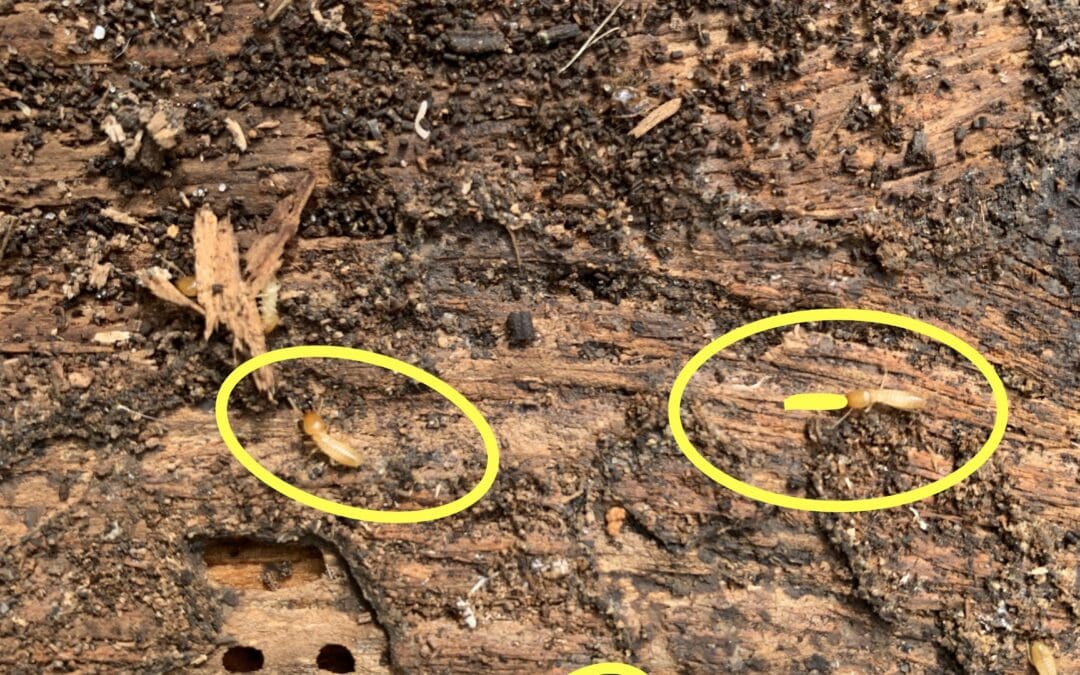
{"type": "Point", "coordinates": [615, 519]}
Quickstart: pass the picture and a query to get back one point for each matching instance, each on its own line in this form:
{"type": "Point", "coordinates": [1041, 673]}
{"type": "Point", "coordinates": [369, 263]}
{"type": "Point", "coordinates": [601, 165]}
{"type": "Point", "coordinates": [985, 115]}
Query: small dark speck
{"type": "Point", "coordinates": [230, 597]}
{"type": "Point", "coordinates": [818, 663]}
{"type": "Point", "coordinates": [519, 329]}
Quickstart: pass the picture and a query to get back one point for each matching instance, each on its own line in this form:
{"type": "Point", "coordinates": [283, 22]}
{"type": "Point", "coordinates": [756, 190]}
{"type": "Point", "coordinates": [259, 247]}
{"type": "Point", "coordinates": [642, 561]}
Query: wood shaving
{"type": "Point", "coordinates": [263, 258]}
{"type": "Point", "coordinates": [99, 275]}
{"type": "Point", "coordinates": [248, 308]}
{"type": "Point", "coordinates": [237, 133]}
{"type": "Point", "coordinates": [118, 216]}
{"type": "Point", "coordinates": [223, 293]}
{"type": "Point", "coordinates": [113, 130]}
{"type": "Point", "coordinates": [162, 131]}
{"type": "Point", "coordinates": [131, 150]}
{"type": "Point", "coordinates": [658, 115]}
{"type": "Point", "coordinates": [333, 21]}
{"type": "Point", "coordinates": [112, 337]}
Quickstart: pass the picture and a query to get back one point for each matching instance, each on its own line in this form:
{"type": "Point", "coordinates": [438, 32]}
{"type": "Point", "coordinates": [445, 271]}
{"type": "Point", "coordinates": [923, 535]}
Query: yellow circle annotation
{"type": "Point", "coordinates": [491, 444]}
{"type": "Point", "coordinates": [610, 668]}
{"type": "Point", "coordinates": [1001, 413]}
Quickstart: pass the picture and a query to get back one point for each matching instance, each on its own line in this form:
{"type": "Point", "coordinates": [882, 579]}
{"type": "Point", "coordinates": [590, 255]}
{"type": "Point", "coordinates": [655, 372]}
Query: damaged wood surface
{"type": "Point", "coordinates": [891, 156]}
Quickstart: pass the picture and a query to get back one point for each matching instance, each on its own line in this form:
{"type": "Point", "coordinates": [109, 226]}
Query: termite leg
{"type": "Point", "coordinates": [844, 417]}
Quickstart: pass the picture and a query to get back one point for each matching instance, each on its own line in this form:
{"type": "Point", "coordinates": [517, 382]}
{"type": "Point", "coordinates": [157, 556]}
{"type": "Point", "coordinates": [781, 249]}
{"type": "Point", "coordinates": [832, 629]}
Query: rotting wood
{"type": "Point", "coordinates": [695, 580]}
{"type": "Point", "coordinates": [222, 292]}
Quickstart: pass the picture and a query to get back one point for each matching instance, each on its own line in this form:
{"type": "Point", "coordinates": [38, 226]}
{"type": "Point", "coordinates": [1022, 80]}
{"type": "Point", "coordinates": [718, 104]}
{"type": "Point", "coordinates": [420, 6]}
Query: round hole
{"type": "Point", "coordinates": [336, 659]}
{"type": "Point", "coordinates": [242, 660]}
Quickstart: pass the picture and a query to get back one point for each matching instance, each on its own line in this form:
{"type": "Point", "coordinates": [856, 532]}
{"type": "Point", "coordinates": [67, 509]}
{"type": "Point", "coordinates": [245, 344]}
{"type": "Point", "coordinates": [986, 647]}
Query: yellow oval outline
{"type": "Point", "coordinates": [609, 668]}
{"type": "Point", "coordinates": [491, 444]}
{"type": "Point", "coordinates": [1001, 414]}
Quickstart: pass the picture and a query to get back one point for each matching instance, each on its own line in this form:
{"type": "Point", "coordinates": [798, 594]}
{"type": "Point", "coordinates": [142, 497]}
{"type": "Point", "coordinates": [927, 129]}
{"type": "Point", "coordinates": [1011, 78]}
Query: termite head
{"type": "Point", "coordinates": [313, 423]}
{"type": "Point", "coordinates": [859, 398]}
{"type": "Point", "coordinates": [186, 285]}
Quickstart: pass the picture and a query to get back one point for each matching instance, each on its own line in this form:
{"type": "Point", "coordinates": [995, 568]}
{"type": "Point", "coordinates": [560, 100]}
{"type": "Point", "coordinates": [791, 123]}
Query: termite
{"type": "Point", "coordinates": [864, 399]}
{"type": "Point", "coordinates": [1042, 659]}
{"type": "Point", "coordinates": [894, 398]}
{"type": "Point", "coordinates": [333, 448]}
{"type": "Point", "coordinates": [187, 286]}
{"type": "Point", "coordinates": [268, 300]}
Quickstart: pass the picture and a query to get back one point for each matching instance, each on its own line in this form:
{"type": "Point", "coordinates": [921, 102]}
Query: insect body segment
{"type": "Point", "coordinates": [894, 398]}
{"type": "Point", "coordinates": [1042, 658]}
{"type": "Point", "coordinates": [336, 450]}
{"type": "Point", "coordinates": [187, 286]}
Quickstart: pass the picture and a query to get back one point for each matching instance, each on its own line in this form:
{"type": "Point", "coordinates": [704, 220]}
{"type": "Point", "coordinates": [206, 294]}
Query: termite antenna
{"type": "Point", "coordinates": [843, 417]}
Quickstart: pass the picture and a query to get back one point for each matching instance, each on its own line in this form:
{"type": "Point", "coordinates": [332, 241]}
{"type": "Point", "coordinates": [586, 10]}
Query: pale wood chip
{"type": "Point", "coordinates": [264, 256]}
{"type": "Point", "coordinates": [111, 337]}
{"type": "Point", "coordinates": [162, 131]}
{"type": "Point", "coordinates": [223, 293]}
{"type": "Point", "coordinates": [159, 282]}
{"type": "Point", "coordinates": [113, 130]}
{"type": "Point", "coordinates": [237, 132]}
{"type": "Point", "coordinates": [118, 216]}
{"type": "Point", "coordinates": [658, 115]}
{"type": "Point", "coordinates": [99, 275]}
{"type": "Point", "coordinates": [131, 150]}
{"type": "Point", "coordinates": [333, 21]}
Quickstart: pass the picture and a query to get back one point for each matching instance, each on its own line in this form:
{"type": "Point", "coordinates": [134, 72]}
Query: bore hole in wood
{"type": "Point", "coordinates": [242, 660]}
{"type": "Point", "coordinates": [336, 659]}
{"type": "Point", "coordinates": [250, 564]}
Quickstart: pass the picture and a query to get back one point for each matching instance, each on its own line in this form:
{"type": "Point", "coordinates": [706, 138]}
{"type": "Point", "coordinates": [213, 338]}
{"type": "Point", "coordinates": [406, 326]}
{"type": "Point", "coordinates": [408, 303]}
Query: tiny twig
{"type": "Point", "coordinates": [513, 242]}
{"type": "Point", "coordinates": [592, 38]}
{"type": "Point", "coordinates": [121, 406]}
{"type": "Point", "coordinates": [606, 33]}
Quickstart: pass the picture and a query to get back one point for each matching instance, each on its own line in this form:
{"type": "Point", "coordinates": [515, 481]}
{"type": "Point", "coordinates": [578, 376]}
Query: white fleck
{"type": "Point", "coordinates": [114, 532]}
{"type": "Point", "coordinates": [99, 32]}
{"type": "Point", "coordinates": [222, 187]}
{"type": "Point", "coordinates": [468, 617]}
{"type": "Point", "coordinates": [560, 568]}
{"type": "Point", "coordinates": [478, 585]}
{"type": "Point", "coordinates": [420, 130]}
{"type": "Point", "coordinates": [923, 525]}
